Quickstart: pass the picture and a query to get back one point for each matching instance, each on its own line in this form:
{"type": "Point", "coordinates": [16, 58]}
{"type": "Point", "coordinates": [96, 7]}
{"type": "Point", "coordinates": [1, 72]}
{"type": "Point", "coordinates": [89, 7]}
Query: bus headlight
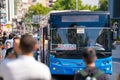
{"type": "Point", "coordinates": [108, 68]}
{"type": "Point", "coordinates": [55, 69]}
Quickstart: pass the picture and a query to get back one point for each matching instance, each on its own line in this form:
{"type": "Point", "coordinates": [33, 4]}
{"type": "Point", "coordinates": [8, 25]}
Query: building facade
{"type": "Point", "coordinates": [2, 13]}
{"type": "Point", "coordinates": [10, 13]}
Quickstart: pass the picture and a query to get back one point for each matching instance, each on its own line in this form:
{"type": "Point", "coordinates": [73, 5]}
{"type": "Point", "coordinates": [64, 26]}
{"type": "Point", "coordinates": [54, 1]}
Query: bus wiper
{"type": "Point", "coordinates": [66, 52]}
{"type": "Point", "coordinates": [98, 47]}
{"type": "Point", "coordinates": [103, 54]}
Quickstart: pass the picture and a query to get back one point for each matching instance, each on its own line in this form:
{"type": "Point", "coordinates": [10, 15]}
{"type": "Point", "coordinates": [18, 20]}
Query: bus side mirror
{"type": "Point", "coordinates": [114, 38]}
{"type": "Point", "coordinates": [114, 45]}
{"type": "Point", "coordinates": [114, 35]}
{"type": "Point", "coordinates": [48, 37]}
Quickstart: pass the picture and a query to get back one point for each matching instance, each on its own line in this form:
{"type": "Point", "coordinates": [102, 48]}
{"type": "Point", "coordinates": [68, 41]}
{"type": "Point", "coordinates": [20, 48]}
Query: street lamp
{"type": "Point", "coordinates": [76, 4]}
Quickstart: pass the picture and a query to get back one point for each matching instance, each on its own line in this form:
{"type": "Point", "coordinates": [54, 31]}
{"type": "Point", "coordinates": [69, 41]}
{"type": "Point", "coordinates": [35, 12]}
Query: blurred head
{"type": "Point", "coordinates": [11, 35]}
{"type": "Point", "coordinates": [4, 33]}
{"type": "Point", "coordinates": [27, 44]}
{"type": "Point", "coordinates": [10, 54]}
{"type": "Point", "coordinates": [89, 55]}
{"type": "Point", "coordinates": [36, 47]}
{"type": "Point", "coordinates": [16, 44]}
{"type": "Point", "coordinates": [118, 77]}
{"type": "Point", "coordinates": [8, 45]}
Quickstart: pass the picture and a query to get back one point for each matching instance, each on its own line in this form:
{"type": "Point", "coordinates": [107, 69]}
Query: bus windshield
{"type": "Point", "coordinates": [76, 38]}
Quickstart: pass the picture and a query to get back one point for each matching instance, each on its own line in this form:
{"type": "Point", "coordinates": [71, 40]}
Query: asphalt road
{"type": "Point", "coordinates": [116, 63]}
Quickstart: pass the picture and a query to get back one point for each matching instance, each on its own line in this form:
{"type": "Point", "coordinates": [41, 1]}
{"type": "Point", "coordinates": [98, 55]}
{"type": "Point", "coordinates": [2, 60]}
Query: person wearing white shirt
{"type": "Point", "coordinates": [25, 67]}
{"type": "Point", "coordinates": [10, 55]}
{"type": "Point", "coordinates": [11, 37]}
{"type": "Point", "coordinates": [8, 44]}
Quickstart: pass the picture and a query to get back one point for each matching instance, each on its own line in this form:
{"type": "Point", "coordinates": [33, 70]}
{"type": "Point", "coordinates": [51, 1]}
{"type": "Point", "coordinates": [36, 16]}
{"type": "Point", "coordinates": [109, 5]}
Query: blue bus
{"type": "Point", "coordinates": [68, 32]}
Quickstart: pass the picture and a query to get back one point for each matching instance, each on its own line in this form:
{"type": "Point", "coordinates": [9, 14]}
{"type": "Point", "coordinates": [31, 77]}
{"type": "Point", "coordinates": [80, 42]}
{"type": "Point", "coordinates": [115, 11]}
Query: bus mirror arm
{"type": "Point", "coordinates": [114, 35]}
{"type": "Point", "coordinates": [114, 45]}
{"type": "Point", "coordinates": [48, 37]}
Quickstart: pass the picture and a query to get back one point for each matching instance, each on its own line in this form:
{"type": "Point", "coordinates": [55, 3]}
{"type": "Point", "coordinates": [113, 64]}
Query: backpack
{"type": "Point", "coordinates": [90, 77]}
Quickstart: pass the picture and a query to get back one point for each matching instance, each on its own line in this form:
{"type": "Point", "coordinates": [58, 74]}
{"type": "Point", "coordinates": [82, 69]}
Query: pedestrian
{"type": "Point", "coordinates": [16, 44]}
{"type": "Point", "coordinates": [35, 53]}
{"type": "Point", "coordinates": [10, 55]}
{"type": "Point", "coordinates": [25, 67]}
{"type": "Point", "coordinates": [4, 37]}
{"type": "Point", "coordinates": [0, 55]}
{"type": "Point", "coordinates": [11, 37]}
{"type": "Point", "coordinates": [90, 72]}
{"type": "Point", "coordinates": [7, 46]}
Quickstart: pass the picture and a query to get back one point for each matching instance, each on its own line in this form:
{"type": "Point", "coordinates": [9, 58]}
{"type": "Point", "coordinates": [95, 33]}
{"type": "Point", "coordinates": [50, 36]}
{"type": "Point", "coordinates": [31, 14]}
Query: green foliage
{"type": "Point", "coordinates": [119, 38]}
{"type": "Point", "coordinates": [27, 20]}
{"type": "Point", "coordinates": [103, 5]}
{"type": "Point", "coordinates": [71, 5]}
{"type": "Point", "coordinates": [64, 5]}
{"type": "Point", "coordinates": [38, 9]}
{"type": "Point", "coordinates": [89, 7]}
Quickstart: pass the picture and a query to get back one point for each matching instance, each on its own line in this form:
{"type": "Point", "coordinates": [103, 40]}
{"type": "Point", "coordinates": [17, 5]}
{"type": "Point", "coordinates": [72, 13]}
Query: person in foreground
{"type": "Point", "coordinates": [25, 67]}
{"type": "Point", "coordinates": [91, 72]}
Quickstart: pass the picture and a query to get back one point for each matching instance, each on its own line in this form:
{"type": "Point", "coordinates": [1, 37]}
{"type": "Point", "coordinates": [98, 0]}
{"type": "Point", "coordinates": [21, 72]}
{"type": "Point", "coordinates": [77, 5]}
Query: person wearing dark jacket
{"type": "Point", "coordinates": [89, 56]}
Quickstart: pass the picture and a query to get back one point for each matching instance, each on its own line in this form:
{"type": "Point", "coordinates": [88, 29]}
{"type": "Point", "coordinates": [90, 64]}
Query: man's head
{"type": "Point", "coordinates": [89, 55]}
{"type": "Point", "coordinates": [16, 44]}
{"type": "Point", "coordinates": [4, 33]}
{"type": "Point", "coordinates": [8, 44]}
{"type": "Point", "coordinates": [27, 44]}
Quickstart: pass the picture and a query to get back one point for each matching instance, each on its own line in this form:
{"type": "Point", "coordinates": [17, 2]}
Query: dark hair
{"type": "Point", "coordinates": [16, 38]}
{"type": "Point", "coordinates": [10, 51]}
{"type": "Point", "coordinates": [8, 42]}
{"type": "Point", "coordinates": [11, 35]}
{"type": "Point", "coordinates": [118, 78]}
{"type": "Point", "coordinates": [27, 43]}
{"type": "Point", "coordinates": [89, 54]}
{"type": "Point", "coordinates": [4, 33]}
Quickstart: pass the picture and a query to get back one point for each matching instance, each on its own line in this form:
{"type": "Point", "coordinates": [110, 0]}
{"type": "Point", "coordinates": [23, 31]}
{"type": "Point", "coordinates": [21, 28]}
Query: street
{"type": "Point", "coordinates": [116, 63]}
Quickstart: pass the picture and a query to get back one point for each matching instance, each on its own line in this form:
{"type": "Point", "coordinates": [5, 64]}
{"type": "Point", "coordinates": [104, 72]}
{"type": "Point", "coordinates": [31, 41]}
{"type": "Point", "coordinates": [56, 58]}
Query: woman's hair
{"type": "Point", "coordinates": [10, 51]}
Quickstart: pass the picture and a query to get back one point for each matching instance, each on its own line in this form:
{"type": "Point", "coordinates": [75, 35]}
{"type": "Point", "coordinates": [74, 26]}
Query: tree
{"type": "Point", "coordinates": [89, 7]}
{"type": "Point", "coordinates": [103, 5]}
{"type": "Point", "coordinates": [65, 5]}
{"type": "Point", "coordinates": [71, 5]}
{"type": "Point", "coordinates": [37, 10]}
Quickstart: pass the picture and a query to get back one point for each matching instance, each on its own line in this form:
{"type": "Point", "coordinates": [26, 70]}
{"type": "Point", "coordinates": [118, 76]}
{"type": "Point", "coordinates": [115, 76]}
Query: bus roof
{"type": "Point", "coordinates": [78, 12]}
